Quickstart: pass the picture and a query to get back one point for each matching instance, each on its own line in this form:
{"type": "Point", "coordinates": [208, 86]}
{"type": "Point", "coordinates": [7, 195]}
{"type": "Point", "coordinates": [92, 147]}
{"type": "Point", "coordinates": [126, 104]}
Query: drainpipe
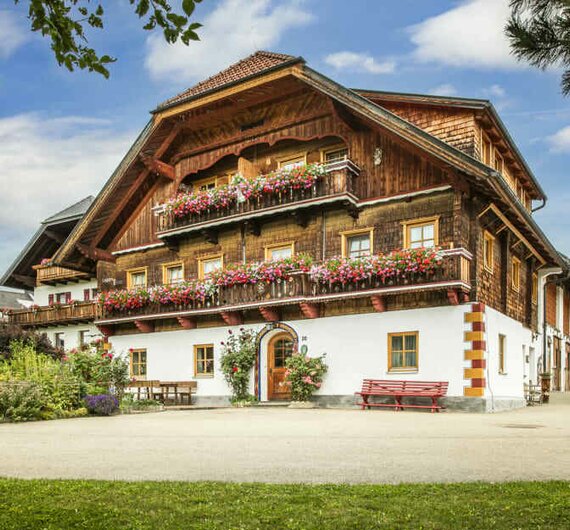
{"type": "Point", "coordinates": [540, 207]}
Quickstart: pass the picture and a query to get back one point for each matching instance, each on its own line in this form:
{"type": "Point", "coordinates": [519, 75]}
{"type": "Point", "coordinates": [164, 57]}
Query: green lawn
{"type": "Point", "coordinates": [120, 505]}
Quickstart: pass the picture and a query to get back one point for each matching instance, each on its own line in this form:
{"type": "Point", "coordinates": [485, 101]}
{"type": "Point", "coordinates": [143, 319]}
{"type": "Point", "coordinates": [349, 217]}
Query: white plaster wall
{"type": "Point", "coordinates": [518, 343]}
{"type": "Point", "coordinates": [71, 334]}
{"type": "Point", "coordinates": [42, 292]}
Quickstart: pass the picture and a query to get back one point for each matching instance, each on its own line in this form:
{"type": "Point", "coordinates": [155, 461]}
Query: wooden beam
{"type": "Point", "coordinates": [187, 322]}
{"type": "Point", "coordinates": [144, 326]}
{"type": "Point", "coordinates": [58, 238]}
{"type": "Point", "coordinates": [270, 314]}
{"type": "Point", "coordinates": [158, 166]}
{"type": "Point", "coordinates": [378, 303]}
{"type": "Point", "coordinates": [95, 254]}
{"type": "Point", "coordinates": [30, 281]}
{"type": "Point", "coordinates": [232, 318]}
{"type": "Point", "coordinates": [107, 331]}
{"type": "Point", "coordinates": [453, 297]}
{"type": "Point", "coordinates": [310, 310]}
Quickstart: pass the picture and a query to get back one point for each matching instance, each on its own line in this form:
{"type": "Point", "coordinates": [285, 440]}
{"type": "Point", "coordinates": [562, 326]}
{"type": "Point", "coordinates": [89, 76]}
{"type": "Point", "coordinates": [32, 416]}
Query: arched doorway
{"type": "Point", "coordinates": [279, 349]}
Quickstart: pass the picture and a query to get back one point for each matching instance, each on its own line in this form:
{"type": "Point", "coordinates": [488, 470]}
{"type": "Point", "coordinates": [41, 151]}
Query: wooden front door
{"type": "Point", "coordinates": [280, 348]}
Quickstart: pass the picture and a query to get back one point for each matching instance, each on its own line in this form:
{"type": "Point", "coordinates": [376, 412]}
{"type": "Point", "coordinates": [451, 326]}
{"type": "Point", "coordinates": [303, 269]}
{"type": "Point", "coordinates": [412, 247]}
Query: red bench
{"type": "Point", "coordinates": [401, 389]}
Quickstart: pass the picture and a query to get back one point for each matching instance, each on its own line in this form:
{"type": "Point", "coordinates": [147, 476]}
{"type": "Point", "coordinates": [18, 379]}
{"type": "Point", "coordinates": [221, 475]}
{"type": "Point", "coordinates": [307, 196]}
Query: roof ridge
{"type": "Point", "coordinates": [73, 210]}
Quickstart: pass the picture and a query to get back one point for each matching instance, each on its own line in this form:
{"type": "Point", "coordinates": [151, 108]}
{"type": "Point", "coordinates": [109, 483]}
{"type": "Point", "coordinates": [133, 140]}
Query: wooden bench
{"type": "Point", "coordinates": [144, 389]}
{"type": "Point", "coordinates": [177, 391]}
{"type": "Point", "coordinates": [533, 394]}
{"type": "Point", "coordinates": [401, 389]}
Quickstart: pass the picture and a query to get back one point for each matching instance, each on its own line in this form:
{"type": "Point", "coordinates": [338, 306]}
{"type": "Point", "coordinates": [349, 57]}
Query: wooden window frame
{"type": "Point", "coordinates": [171, 265]}
{"type": "Point", "coordinates": [485, 139]}
{"type": "Point", "coordinates": [534, 288]}
{"type": "Point", "coordinates": [502, 354]}
{"type": "Point", "coordinates": [515, 267]}
{"type": "Point", "coordinates": [274, 246]}
{"type": "Point", "coordinates": [210, 257]}
{"type": "Point", "coordinates": [346, 234]}
{"type": "Point", "coordinates": [131, 364]}
{"type": "Point", "coordinates": [488, 262]}
{"type": "Point", "coordinates": [203, 375]}
{"type": "Point", "coordinates": [57, 337]}
{"type": "Point", "coordinates": [283, 160]}
{"type": "Point", "coordinates": [332, 149]}
{"type": "Point", "coordinates": [136, 271]}
{"type": "Point", "coordinates": [414, 223]}
{"type": "Point", "coordinates": [400, 369]}
{"type": "Point", "coordinates": [502, 161]}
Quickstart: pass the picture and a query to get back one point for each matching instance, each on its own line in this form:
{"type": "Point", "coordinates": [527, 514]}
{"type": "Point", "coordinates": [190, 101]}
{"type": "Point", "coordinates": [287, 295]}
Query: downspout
{"type": "Point", "coordinates": [539, 207]}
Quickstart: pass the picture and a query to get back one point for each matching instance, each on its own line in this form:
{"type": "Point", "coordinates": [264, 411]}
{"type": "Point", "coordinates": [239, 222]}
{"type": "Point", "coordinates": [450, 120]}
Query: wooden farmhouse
{"type": "Point", "coordinates": [393, 232]}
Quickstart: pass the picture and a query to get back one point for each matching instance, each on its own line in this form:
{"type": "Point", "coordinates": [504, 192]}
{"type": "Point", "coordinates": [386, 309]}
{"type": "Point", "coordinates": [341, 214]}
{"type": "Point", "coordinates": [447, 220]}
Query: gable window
{"type": "Point", "coordinates": [209, 264]}
{"type": "Point", "coordinates": [422, 233]}
{"type": "Point", "coordinates": [486, 149]}
{"type": "Point", "coordinates": [136, 278]}
{"type": "Point", "coordinates": [335, 154]}
{"type": "Point", "coordinates": [204, 360]}
{"type": "Point", "coordinates": [403, 351]}
{"type": "Point", "coordinates": [172, 273]}
{"type": "Point", "coordinates": [502, 353]}
{"type": "Point", "coordinates": [357, 243]}
{"type": "Point", "coordinates": [280, 251]}
{"type": "Point", "coordinates": [534, 288]}
{"type": "Point", "coordinates": [138, 363]}
{"type": "Point", "coordinates": [498, 165]}
{"type": "Point", "coordinates": [293, 162]}
{"type": "Point", "coordinates": [515, 273]}
{"type": "Point", "coordinates": [488, 251]}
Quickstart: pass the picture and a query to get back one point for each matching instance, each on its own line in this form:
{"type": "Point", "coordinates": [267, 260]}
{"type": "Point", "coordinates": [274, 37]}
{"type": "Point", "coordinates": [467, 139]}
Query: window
{"type": "Point", "coordinates": [208, 184]}
{"type": "Point", "coordinates": [403, 351]}
{"type": "Point", "coordinates": [138, 364]}
{"type": "Point", "coordinates": [59, 340]}
{"type": "Point", "coordinates": [63, 298]}
{"type": "Point", "coordinates": [83, 336]}
{"type": "Point", "coordinates": [357, 243]}
{"type": "Point", "coordinates": [498, 165]}
{"type": "Point", "coordinates": [486, 149]}
{"type": "Point", "coordinates": [136, 278]}
{"type": "Point", "coordinates": [290, 163]}
{"type": "Point", "coordinates": [280, 251]}
{"type": "Point", "coordinates": [334, 154]}
{"type": "Point", "coordinates": [94, 293]}
{"type": "Point", "coordinates": [502, 353]}
{"type": "Point", "coordinates": [488, 251]}
{"type": "Point", "coordinates": [172, 273]}
{"type": "Point", "coordinates": [204, 360]}
{"type": "Point", "coordinates": [422, 233]}
{"type": "Point", "coordinates": [534, 288]}
{"type": "Point", "coordinates": [209, 264]}
{"type": "Point", "coordinates": [515, 273]}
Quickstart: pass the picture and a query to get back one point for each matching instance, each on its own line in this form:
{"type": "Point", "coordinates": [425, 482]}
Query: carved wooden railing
{"type": "Point", "coordinates": [338, 181]}
{"type": "Point", "coordinates": [453, 275]}
{"type": "Point", "coordinates": [50, 274]}
{"type": "Point", "coordinates": [56, 314]}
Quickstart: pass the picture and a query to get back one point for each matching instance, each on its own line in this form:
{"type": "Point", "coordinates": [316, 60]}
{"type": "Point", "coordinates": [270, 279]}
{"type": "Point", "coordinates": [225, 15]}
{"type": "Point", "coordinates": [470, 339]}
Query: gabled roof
{"type": "Point", "coordinates": [44, 243]}
{"type": "Point", "coordinates": [252, 65]}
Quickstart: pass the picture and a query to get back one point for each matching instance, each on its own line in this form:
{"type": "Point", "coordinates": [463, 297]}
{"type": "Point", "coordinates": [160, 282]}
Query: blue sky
{"type": "Point", "coordinates": [62, 134]}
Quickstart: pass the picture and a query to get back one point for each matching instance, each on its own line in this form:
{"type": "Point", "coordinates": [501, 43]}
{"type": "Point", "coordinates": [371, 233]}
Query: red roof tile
{"type": "Point", "coordinates": [254, 64]}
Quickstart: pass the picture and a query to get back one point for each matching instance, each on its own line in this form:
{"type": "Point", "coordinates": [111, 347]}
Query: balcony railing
{"type": "Point", "coordinates": [54, 315]}
{"type": "Point", "coordinates": [336, 185]}
{"type": "Point", "coordinates": [299, 288]}
{"type": "Point", "coordinates": [52, 274]}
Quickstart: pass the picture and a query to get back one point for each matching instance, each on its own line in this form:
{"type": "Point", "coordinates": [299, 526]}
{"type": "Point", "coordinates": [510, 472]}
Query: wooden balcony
{"type": "Point", "coordinates": [53, 274]}
{"type": "Point", "coordinates": [336, 187]}
{"type": "Point", "coordinates": [452, 278]}
{"type": "Point", "coordinates": [57, 315]}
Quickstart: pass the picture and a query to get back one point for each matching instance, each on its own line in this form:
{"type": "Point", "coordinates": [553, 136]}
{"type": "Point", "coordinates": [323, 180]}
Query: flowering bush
{"type": "Point", "coordinates": [238, 358]}
{"type": "Point", "coordinates": [302, 177]}
{"type": "Point", "coordinates": [399, 263]}
{"type": "Point", "coordinates": [102, 404]}
{"type": "Point", "coordinates": [305, 375]}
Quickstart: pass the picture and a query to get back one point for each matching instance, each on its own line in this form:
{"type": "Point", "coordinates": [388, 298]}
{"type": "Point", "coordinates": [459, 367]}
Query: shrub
{"type": "Point", "coordinates": [21, 401]}
{"type": "Point", "coordinates": [102, 404]}
{"type": "Point", "coordinates": [305, 375]}
{"type": "Point", "coordinates": [10, 333]}
{"type": "Point", "coordinates": [238, 358]}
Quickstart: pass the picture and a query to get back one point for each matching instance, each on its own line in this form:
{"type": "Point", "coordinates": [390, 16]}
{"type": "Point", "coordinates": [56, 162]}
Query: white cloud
{"type": "Point", "coordinates": [560, 141]}
{"type": "Point", "coordinates": [495, 91]}
{"type": "Point", "coordinates": [359, 62]}
{"type": "Point", "coordinates": [444, 90]}
{"type": "Point", "coordinates": [12, 34]}
{"type": "Point", "coordinates": [48, 164]}
{"type": "Point", "coordinates": [233, 30]}
{"type": "Point", "coordinates": [470, 35]}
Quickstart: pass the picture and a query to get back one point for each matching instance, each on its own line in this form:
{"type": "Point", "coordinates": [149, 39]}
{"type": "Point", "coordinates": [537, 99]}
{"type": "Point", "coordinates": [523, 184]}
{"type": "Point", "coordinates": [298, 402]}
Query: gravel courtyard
{"type": "Point", "coordinates": [284, 445]}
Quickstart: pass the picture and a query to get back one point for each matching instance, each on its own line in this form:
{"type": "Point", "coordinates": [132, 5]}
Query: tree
{"type": "Point", "coordinates": [64, 22]}
{"type": "Point", "coordinates": [539, 32]}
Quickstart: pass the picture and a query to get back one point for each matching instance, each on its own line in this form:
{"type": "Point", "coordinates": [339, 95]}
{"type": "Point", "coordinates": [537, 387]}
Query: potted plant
{"type": "Point", "coordinates": [304, 374]}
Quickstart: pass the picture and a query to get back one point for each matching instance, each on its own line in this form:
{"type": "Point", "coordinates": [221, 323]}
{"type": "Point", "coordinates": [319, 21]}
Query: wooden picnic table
{"type": "Point", "coordinates": [165, 391]}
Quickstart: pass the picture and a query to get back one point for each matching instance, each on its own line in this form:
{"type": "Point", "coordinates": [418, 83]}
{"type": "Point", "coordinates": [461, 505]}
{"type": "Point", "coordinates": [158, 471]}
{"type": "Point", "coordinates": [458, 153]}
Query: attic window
{"type": "Point", "coordinates": [252, 125]}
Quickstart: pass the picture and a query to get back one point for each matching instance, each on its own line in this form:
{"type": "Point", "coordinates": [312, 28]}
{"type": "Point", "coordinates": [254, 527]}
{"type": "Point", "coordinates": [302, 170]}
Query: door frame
{"type": "Point", "coordinates": [270, 361]}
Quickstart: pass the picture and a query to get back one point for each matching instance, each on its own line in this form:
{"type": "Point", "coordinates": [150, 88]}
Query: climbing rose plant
{"type": "Point", "coordinates": [304, 374]}
{"type": "Point", "coordinates": [238, 358]}
{"type": "Point", "coordinates": [222, 197]}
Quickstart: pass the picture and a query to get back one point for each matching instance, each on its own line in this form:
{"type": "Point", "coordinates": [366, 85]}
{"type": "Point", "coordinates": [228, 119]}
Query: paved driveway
{"type": "Point", "coordinates": [283, 445]}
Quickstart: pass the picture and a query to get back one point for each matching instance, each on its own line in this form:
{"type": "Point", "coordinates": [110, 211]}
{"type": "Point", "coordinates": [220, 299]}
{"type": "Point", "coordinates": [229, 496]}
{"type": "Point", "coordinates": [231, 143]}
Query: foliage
{"type": "Point", "coordinates": [21, 400]}
{"type": "Point", "coordinates": [238, 358]}
{"type": "Point", "coordinates": [222, 197]}
{"type": "Point", "coordinates": [305, 375]}
{"type": "Point", "coordinates": [65, 23]}
{"type": "Point", "coordinates": [397, 264]}
{"type": "Point", "coordinates": [102, 404]}
{"type": "Point", "coordinates": [40, 341]}
{"type": "Point", "coordinates": [101, 505]}
{"type": "Point", "coordinates": [539, 33]}
{"type": "Point", "coordinates": [130, 404]}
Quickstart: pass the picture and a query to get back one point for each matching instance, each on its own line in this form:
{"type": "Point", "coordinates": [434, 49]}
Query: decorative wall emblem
{"type": "Point", "coordinates": [378, 154]}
